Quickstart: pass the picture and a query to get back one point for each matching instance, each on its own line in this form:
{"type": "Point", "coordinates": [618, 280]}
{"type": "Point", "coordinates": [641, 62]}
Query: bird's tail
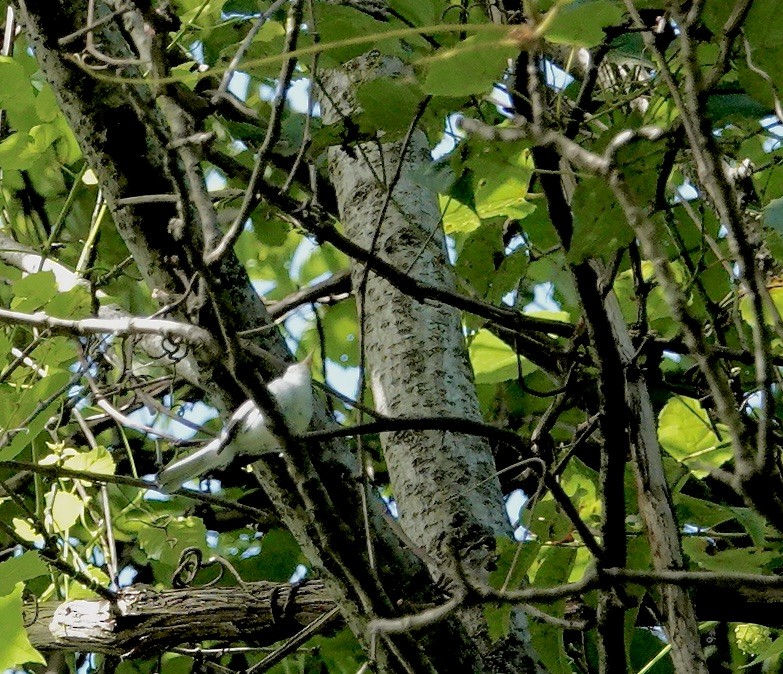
{"type": "Point", "coordinates": [206, 459]}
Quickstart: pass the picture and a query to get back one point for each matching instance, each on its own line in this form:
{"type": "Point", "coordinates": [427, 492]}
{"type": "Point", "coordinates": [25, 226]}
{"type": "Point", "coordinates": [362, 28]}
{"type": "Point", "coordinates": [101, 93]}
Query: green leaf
{"type": "Point", "coordinates": [388, 104]}
{"type": "Point", "coordinates": [15, 647]}
{"type": "Point", "coordinates": [419, 12]}
{"type": "Point", "coordinates": [600, 227]}
{"type": "Point", "coordinates": [279, 556]}
{"type": "Point", "coordinates": [644, 647]}
{"type": "Point", "coordinates": [457, 217]}
{"type": "Point", "coordinates": [25, 530]}
{"type": "Point", "coordinates": [498, 617]}
{"type": "Point", "coordinates": [21, 406]}
{"type": "Point", "coordinates": [547, 639]}
{"type": "Point", "coordinates": [494, 361]}
{"type": "Point", "coordinates": [583, 22]}
{"type": "Point", "coordinates": [17, 569]}
{"type": "Point", "coordinates": [686, 433]}
{"type": "Point", "coordinates": [341, 329]}
{"type": "Point", "coordinates": [78, 591]}
{"type": "Point", "coordinates": [480, 256]}
{"type": "Point", "coordinates": [548, 522]}
{"type": "Point", "coordinates": [97, 460]}
{"type": "Point", "coordinates": [33, 291]}
{"type": "Point", "coordinates": [581, 484]}
{"type": "Point", "coordinates": [773, 214]}
{"type": "Point", "coordinates": [42, 136]}
{"type": "Point", "coordinates": [500, 176]}
{"type": "Point", "coordinates": [66, 146]}
{"type": "Point", "coordinates": [46, 106]}
{"type": "Point", "coordinates": [338, 24]}
{"type": "Point", "coordinates": [513, 561]}
{"type": "Point", "coordinates": [739, 560]}
{"type": "Point", "coordinates": [340, 653]}
{"type": "Point", "coordinates": [753, 523]}
{"type": "Point", "coordinates": [470, 68]}
{"type": "Point", "coordinates": [165, 543]}
{"type": "Point", "coordinates": [764, 25]}
{"type": "Point", "coordinates": [772, 651]}
{"type": "Point", "coordinates": [726, 108]}
{"type": "Point", "coordinates": [63, 510]}
{"type": "Point", "coordinates": [17, 152]}
{"type": "Point", "coordinates": [659, 314]}
{"type": "Point", "coordinates": [74, 304]}
{"type": "Point", "coordinates": [746, 306]}
{"type": "Point", "coordinates": [508, 276]}
{"type": "Point", "coordinates": [16, 95]}
{"type": "Point", "coordinates": [701, 513]}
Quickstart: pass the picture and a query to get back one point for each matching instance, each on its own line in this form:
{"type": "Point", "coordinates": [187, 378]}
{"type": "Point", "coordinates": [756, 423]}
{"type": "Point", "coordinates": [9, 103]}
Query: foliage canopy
{"type": "Point", "coordinates": [607, 238]}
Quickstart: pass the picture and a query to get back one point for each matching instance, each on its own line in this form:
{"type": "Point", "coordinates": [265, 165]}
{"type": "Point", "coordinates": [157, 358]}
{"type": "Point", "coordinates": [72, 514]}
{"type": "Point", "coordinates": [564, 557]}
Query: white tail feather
{"type": "Point", "coordinates": [247, 429]}
{"type": "Point", "coordinates": [202, 461]}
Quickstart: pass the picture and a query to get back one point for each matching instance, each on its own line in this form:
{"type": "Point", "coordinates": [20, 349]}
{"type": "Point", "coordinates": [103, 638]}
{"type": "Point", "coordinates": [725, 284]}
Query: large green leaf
{"type": "Point", "coordinates": [548, 639]}
{"type": "Point", "coordinates": [739, 560]}
{"type": "Point", "coordinates": [63, 510]}
{"type": "Point", "coordinates": [494, 361]}
{"type": "Point", "coordinates": [338, 24]}
{"type": "Point", "coordinates": [481, 255]}
{"type": "Point", "coordinates": [15, 646]}
{"type": "Point", "coordinates": [600, 227]}
{"type": "Point", "coordinates": [166, 541]}
{"type": "Point", "coordinates": [17, 569]}
{"type": "Point", "coordinates": [388, 105]}
{"type": "Point", "coordinates": [34, 291]}
{"type": "Point", "coordinates": [686, 432]}
{"type": "Point", "coordinates": [582, 22]}
{"type": "Point", "coordinates": [470, 68]}
{"type": "Point", "coordinates": [279, 556]}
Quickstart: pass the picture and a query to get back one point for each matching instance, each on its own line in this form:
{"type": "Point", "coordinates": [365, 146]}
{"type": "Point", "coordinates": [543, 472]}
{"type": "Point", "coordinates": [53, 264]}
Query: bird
{"type": "Point", "coordinates": [247, 431]}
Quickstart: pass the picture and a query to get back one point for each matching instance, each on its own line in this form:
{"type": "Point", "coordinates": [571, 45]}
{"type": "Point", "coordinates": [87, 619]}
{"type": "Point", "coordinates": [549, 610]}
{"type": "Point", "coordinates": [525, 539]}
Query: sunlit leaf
{"type": "Point", "coordinates": [686, 432]}
{"type": "Point", "coordinates": [458, 218]}
{"type": "Point", "coordinates": [17, 569]}
{"type": "Point", "coordinates": [63, 510]}
{"type": "Point", "coordinates": [25, 530]}
{"type": "Point", "coordinates": [494, 361]}
{"type": "Point", "coordinates": [77, 590]}
{"type": "Point", "coordinates": [15, 646]}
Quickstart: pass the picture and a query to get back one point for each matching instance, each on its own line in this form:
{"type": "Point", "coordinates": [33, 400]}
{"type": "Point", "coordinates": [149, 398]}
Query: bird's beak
{"type": "Point", "coordinates": [309, 358]}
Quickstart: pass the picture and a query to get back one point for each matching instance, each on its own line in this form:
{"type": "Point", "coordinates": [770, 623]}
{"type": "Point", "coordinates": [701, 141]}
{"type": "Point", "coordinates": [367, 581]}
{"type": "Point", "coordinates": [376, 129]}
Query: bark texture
{"type": "Point", "coordinates": [144, 622]}
{"type": "Point", "coordinates": [655, 505]}
{"type": "Point", "coordinates": [445, 484]}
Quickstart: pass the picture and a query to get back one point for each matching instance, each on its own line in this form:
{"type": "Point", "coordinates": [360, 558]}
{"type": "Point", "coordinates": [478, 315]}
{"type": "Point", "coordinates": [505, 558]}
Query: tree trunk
{"type": "Point", "coordinates": [445, 484]}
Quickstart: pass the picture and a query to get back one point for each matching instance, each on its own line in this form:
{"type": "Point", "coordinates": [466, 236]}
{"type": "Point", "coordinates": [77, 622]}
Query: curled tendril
{"type": "Point", "coordinates": [173, 349]}
{"type": "Point", "coordinates": [191, 561]}
{"type": "Point", "coordinates": [281, 614]}
{"type": "Point", "coordinates": [29, 599]}
{"type": "Point", "coordinates": [453, 5]}
{"type": "Point", "coordinates": [463, 9]}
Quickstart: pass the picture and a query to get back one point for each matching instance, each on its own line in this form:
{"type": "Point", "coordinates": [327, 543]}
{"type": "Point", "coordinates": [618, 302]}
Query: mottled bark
{"type": "Point", "coordinates": [445, 486]}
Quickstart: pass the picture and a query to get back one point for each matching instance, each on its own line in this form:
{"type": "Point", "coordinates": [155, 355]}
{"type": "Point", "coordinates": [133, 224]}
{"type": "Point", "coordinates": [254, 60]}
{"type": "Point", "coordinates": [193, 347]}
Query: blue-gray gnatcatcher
{"type": "Point", "coordinates": [247, 431]}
